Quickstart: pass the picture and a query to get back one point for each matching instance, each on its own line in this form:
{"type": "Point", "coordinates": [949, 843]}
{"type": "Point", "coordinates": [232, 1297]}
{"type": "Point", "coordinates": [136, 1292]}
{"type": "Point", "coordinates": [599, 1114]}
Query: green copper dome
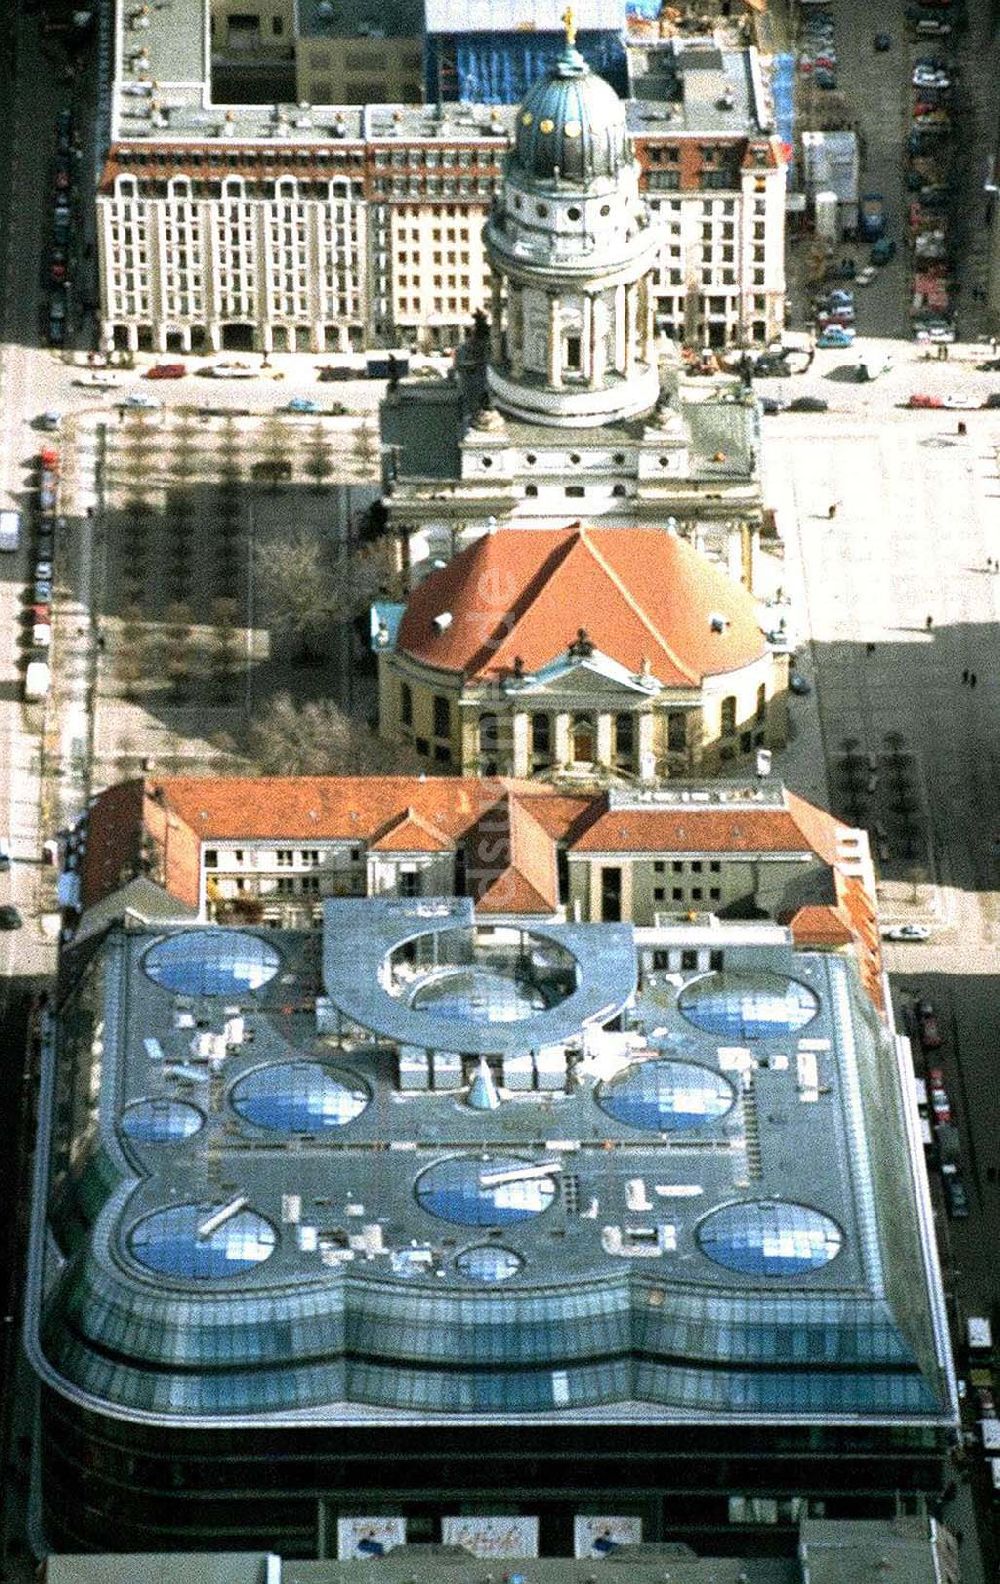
{"type": "Point", "coordinates": [571, 125]}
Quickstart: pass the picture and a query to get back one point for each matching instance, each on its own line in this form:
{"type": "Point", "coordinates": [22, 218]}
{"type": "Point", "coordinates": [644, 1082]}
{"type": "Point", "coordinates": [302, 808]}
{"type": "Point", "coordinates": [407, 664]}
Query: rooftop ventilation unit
{"type": "Point", "coordinates": [443, 621]}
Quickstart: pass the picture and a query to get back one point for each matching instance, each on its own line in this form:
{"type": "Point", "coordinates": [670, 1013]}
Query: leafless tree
{"type": "Point", "coordinates": [317, 738]}
{"type": "Point", "coordinates": [319, 459]}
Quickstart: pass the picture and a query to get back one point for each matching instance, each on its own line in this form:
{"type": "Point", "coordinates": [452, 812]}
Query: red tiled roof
{"type": "Point", "coordinates": [819, 925]}
{"type": "Point", "coordinates": [510, 861]}
{"type": "Point", "coordinates": [408, 832]}
{"type": "Point", "coordinates": [641, 593]}
{"type": "Point", "coordinates": [739, 827]}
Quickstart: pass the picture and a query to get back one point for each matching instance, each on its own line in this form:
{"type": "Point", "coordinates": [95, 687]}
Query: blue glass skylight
{"type": "Point", "coordinates": [748, 1006]}
{"type": "Point", "coordinates": [455, 1190]}
{"type": "Point", "coordinates": [764, 1238]}
{"type": "Point", "coordinates": [169, 1241]}
{"type": "Point", "coordinates": [666, 1096]}
{"type": "Point", "coordinates": [218, 962]}
{"type": "Point", "coordinates": [299, 1097]}
{"type": "Point", "coordinates": [160, 1121]}
{"type": "Point", "coordinates": [490, 1262]}
{"type": "Point", "coordinates": [479, 995]}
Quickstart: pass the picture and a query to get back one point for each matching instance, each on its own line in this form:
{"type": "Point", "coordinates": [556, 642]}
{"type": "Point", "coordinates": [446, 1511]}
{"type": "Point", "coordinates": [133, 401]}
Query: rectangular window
{"type": "Point", "coordinates": [442, 716]}
{"type": "Point", "coordinates": [696, 866]}
{"type": "Point", "coordinates": [715, 893]}
{"type": "Point", "coordinates": [574, 491]}
{"type": "Point", "coordinates": [689, 961]}
{"type": "Point", "coordinates": [696, 893]}
{"type": "Point", "coordinates": [285, 857]}
{"type": "Point", "coordinates": [678, 893]}
{"type": "Point", "coordinates": [541, 738]}
{"type": "Point", "coordinates": [658, 893]}
{"type": "Point", "coordinates": [659, 867]}
{"type": "Point", "coordinates": [406, 704]}
{"type": "Point", "coordinates": [727, 723]}
{"type": "Point", "coordinates": [715, 867]}
{"type": "Point", "coordinates": [442, 753]}
{"type": "Point", "coordinates": [661, 961]}
{"type": "Point", "coordinates": [211, 858]}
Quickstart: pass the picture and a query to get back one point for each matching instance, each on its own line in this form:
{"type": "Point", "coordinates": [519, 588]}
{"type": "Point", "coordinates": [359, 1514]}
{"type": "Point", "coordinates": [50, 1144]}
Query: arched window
{"type": "Point", "coordinates": [541, 737]}
{"type": "Point", "coordinates": [489, 733]}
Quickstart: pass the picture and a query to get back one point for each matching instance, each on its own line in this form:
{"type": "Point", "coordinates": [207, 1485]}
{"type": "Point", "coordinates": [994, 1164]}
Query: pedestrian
{"type": "Point", "coordinates": [961, 426]}
{"type": "Point", "coordinates": [929, 623]}
{"type": "Point", "coordinates": [833, 509]}
{"type": "Point", "coordinates": [972, 679]}
{"type": "Point", "coordinates": [965, 674]}
{"type": "Point", "coordinates": [989, 563]}
{"type": "Point", "coordinates": [993, 344]}
{"type": "Point", "coordinates": [869, 648]}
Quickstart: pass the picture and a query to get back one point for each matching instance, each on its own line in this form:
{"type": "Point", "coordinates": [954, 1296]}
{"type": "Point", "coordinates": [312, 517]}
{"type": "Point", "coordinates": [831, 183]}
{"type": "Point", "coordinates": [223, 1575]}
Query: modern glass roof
{"type": "Point", "coordinates": [476, 1190]}
{"type": "Point", "coordinates": [478, 995]}
{"type": "Point", "coordinates": [217, 962]}
{"type": "Point", "coordinates": [666, 1096]}
{"type": "Point", "coordinates": [748, 1006]}
{"type": "Point", "coordinates": [489, 1262]}
{"type": "Point", "coordinates": [160, 1121]}
{"type": "Point", "coordinates": [770, 1238]}
{"type": "Point", "coordinates": [299, 1097]}
{"type": "Point", "coordinates": [182, 1241]}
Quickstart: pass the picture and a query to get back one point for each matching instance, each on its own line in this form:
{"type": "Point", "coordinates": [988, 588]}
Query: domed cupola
{"type": "Point", "coordinates": [571, 126]}
{"type": "Point", "coordinates": [571, 251]}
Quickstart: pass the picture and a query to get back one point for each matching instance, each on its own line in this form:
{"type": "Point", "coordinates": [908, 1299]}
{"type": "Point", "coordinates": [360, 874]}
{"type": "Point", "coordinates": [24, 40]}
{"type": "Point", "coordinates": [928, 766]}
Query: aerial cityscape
{"type": "Point", "coordinates": [500, 850]}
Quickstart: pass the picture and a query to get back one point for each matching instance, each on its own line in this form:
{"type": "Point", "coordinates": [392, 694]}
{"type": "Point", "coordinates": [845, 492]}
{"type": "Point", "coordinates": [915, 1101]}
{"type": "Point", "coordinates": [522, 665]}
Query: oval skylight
{"type": "Point", "coordinates": [471, 1191]}
{"type": "Point", "coordinates": [189, 1240]}
{"type": "Point", "coordinates": [215, 962]}
{"type": "Point", "coordinates": [299, 1097]}
{"type": "Point", "coordinates": [665, 1096]}
{"type": "Point", "coordinates": [748, 1006]}
{"type": "Point", "coordinates": [160, 1121]}
{"type": "Point", "coordinates": [769, 1238]}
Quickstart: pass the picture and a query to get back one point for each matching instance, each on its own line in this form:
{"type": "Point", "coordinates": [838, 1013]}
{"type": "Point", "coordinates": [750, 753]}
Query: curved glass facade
{"type": "Point", "coordinates": [748, 1006]}
{"type": "Point", "coordinates": [160, 1121]}
{"type": "Point", "coordinates": [769, 1238]}
{"type": "Point", "coordinates": [490, 1262]}
{"type": "Point", "coordinates": [464, 1189]}
{"type": "Point", "coordinates": [180, 1241]}
{"type": "Point", "coordinates": [666, 1096]}
{"type": "Point", "coordinates": [299, 1097]}
{"type": "Point", "coordinates": [217, 962]}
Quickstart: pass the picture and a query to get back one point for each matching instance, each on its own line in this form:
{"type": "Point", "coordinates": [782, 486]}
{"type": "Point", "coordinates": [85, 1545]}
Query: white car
{"type": "Point", "coordinates": [142, 401]}
{"type": "Point", "coordinates": [866, 276]}
{"type": "Point", "coordinates": [959, 403]}
{"type": "Point", "coordinates": [99, 379]}
{"type": "Point", "coordinates": [230, 371]}
{"type": "Point", "coordinates": [905, 932]}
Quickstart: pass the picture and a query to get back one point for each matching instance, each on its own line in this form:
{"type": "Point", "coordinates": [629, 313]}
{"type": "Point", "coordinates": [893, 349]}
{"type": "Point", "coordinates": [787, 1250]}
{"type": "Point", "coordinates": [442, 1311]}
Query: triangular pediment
{"type": "Point", "coordinates": [591, 676]}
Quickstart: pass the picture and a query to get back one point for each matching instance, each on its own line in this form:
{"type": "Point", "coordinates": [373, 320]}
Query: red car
{"type": "Point", "coordinates": [928, 1027]}
{"type": "Point", "coordinates": [166, 371]}
{"type": "Point", "coordinates": [834, 316]}
{"type": "Point", "coordinates": [920, 399]}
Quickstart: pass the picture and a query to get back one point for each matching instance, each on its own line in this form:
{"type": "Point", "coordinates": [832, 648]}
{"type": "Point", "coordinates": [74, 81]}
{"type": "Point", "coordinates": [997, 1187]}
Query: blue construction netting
{"type": "Point", "coordinates": [783, 89]}
{"type": "Point", "coordinates": [491, 68]}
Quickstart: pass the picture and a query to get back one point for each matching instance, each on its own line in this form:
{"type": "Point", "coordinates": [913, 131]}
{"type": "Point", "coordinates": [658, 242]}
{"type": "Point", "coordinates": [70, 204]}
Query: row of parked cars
{"type": "Point", "coordinates": [818, 48]}
{"type": "Point", "coordinates": [928, 175]}
{"type": "Point", "coordinates": [38, 604]}
{"type": "Point", "coordinates": [941, 1137]}
{"type": "Point", "coordinates": [58, 265]}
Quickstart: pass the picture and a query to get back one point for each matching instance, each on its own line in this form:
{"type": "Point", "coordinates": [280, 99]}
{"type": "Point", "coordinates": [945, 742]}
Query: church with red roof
{"type": "Point", "coordinates": [582, 652]}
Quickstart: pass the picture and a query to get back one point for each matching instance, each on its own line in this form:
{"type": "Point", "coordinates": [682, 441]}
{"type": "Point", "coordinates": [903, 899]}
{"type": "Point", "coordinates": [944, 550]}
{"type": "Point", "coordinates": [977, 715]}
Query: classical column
{"type": "Point", "coordinates": [587, 340]}
{"type": "Point", "coordinates": [599, 350]}
{"type": "Point", "coordinates": [630, 327]}
{"type": "Point", "coordinates": [645, 320]}
{"type": "Point", "coordinates": [560, 745]}
{"type": "Point", "coordinates": [469, 728]}
{"type": "Point", "coordinates": [496, 329]}
{"type": "Point", "coordinates": [647, 750]}
{"type": "Point", "coordinates": [519, 732]}
{"type": "Point", "coordinates": [555, 341]}
{"type": "Point", "coordinates": [605, 745]}
{"type": "Point", "coordinates": [619, 353]}
{"type": "Point", "coordinates": [515, 328]}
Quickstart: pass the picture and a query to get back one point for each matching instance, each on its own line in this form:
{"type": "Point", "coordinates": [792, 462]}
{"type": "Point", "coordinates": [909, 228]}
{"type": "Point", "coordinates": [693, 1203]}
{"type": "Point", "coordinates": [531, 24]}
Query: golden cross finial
{"type": "Point", "coordinates": [568, 20]}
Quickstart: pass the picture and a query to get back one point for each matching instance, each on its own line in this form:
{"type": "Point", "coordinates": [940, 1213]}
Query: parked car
{"type": "Point", "coordinates": [905, 932]}
{"type": "Point", "coordinates": [928, 1027]}
{"type": "Point", "coordinates": [772, 404]}
{"type": "Point", "coordinates": [836, 335]}
{"type": "Point", "coordinates": [42, 591]}
{"type": "Point", "coordinates": [797, 683]}
{"type": "Point", "coordinates": [866, 276]}
{"type": "Point", "coordinates": [334, 371]}
{"type": "Point", "coordinates": [57, 265]}
{"type": "Point", "coordinates": [166, 371]}
{"type": "Point", "coordinates": [940, 1104]}
{"type": "Point", "coordinates": [884, 251]}
{"type": "Point", "coordinates": [229, 370]}
{"type": "Point", "coordinates": [923, 399]}
{"type": "Point", "coordinates": [56, 331]}
{"type": "Point", "coordinates": [940, 332]}
{"type": "Point", "coordinates": [142, 401]}
{"type": "Point", "coordinates": [302, 404]}
{"type": "Point", "coordinates": [809, 404]}
{"type": "Point", "coordinates": [956, 1197]}
{"type": "Point", "coordinates": [835, 316]}
{"type": "Point", "coordinates": [883, 42]}
{"type": "Point", "coordinates": [43, 569]}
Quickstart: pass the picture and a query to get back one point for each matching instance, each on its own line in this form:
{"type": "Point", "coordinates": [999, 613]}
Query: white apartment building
{"type": "Point", "coordinates": [327, 228]}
